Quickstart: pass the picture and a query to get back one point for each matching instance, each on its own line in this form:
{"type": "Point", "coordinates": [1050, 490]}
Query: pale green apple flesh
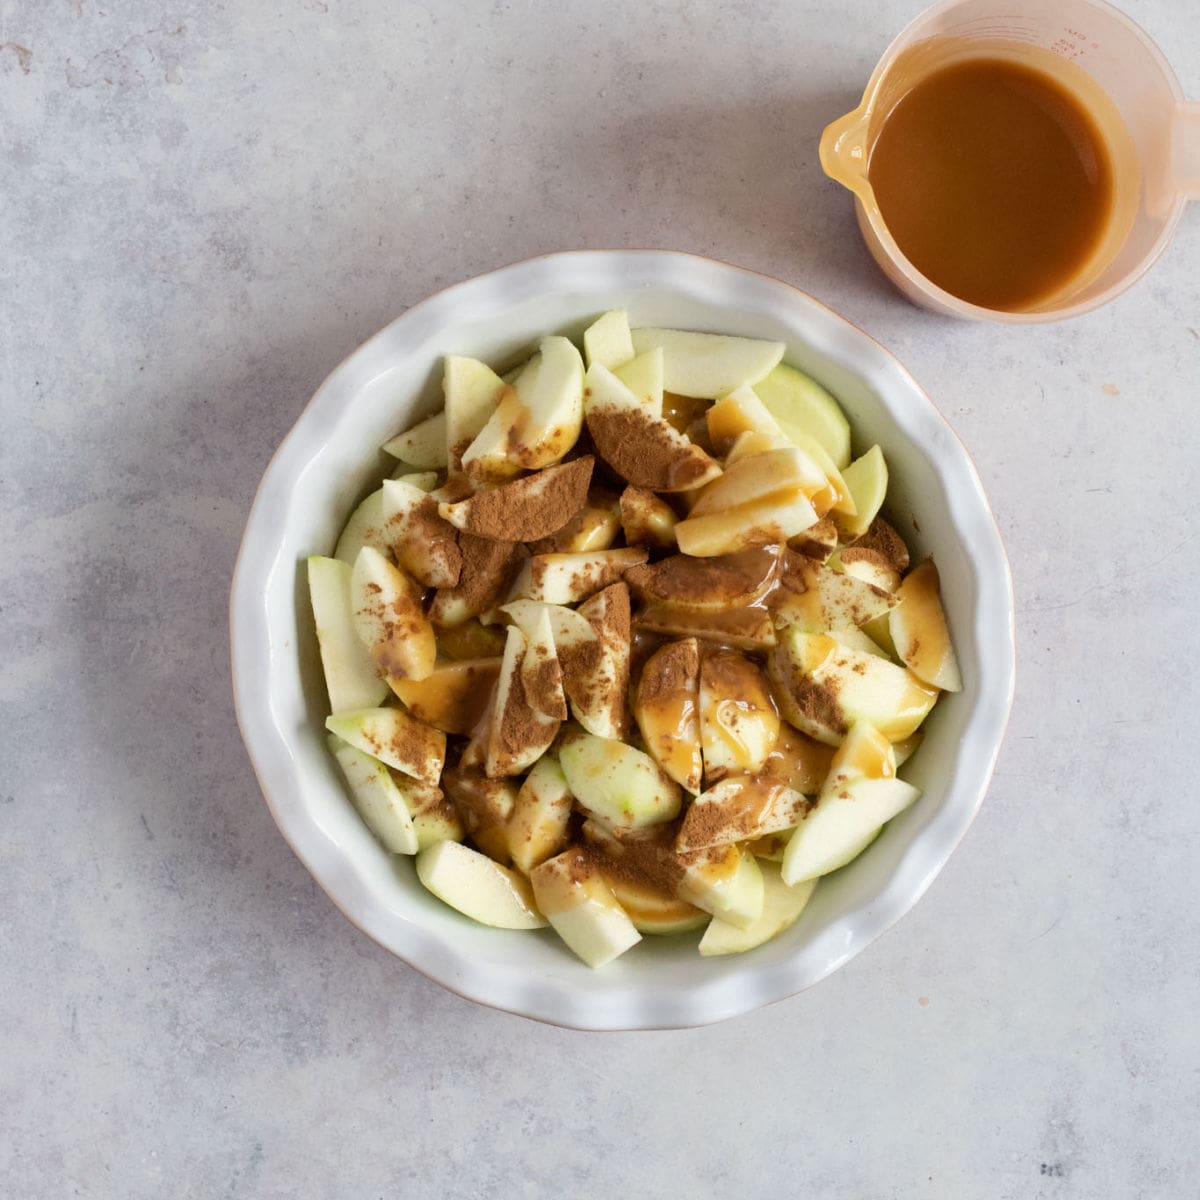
{"type": "Point", "coordinates": [478, 887]}
{"type": "Point", "coordinates": [389, 618]}
{"type": "Point", "coordinates": [365, 528]}
{"type": "Point", "coordinates": [424, 545]}
{"type": "Point", "coordinates": [472, 390]}
{"type": "Point", "coordinates": [782, 906]}
{"type": "Point", "coordinates": [581, 908]}
{"type": "Point", "coordinates": [424, 445]}
{"type": "Point", "coordinates": [394, 737]}
{"type": "Point", "coordinates": [725, 881]}
{"type": "Point", "coordinates": [352, 677]}
{"type": "Point", "coordinates": [537, 825]}
{"type": "Point", "coordinates": [571, 578]}
{"type": "Point", "coordinates": [794, 399]}
{"type": "Point", "coordinates": [867, 479]}
{"type": "Point", "coordinates": [739, 809]}
{"type": "Point", "coordinates": [643, 376]}
{"type": "Point", "coordinates": [708, 365]}
{"type": "Point", "coordinates": [617, 783]}
{"type": "Point", "coordinates": [607, 340]}
{"type": "Point", "coordinates": [376, 797]}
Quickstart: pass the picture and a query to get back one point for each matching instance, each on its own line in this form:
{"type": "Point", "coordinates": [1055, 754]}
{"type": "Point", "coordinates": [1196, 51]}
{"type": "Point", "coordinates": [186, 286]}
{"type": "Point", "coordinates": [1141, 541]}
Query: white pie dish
{"type": "Point", "coordinates": [331, 456]}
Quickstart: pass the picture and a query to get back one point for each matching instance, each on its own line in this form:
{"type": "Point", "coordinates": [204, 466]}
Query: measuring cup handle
{"type": "Point", "coordinates": [1185, 137]}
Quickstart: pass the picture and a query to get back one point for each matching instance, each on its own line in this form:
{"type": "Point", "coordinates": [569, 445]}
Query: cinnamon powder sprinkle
{"type": "Point", "coordinates": [646, 451]}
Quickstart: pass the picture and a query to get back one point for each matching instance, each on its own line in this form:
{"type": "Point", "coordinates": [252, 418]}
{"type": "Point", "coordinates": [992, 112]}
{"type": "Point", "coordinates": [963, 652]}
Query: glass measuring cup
{"type": "Point", "coordinates": [1114, 68]}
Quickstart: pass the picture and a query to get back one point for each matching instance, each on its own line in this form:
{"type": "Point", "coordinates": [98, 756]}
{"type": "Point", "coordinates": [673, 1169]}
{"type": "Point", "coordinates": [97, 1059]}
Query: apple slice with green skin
{"type": "Point", "coordinates": [820, 599]}
{"type": "Point", "coordinates": [571, 578]}
{"type": "Point", "coordinates": [524, 509]}
{"type": "Point", "coordinates": [708, 365]}
{"type": "Point", "coordinates": [472, 390]}
{"type": "Point", "coordinates": [376, 797]}
{"type": "Point", "coordinates": [643, 376]}
{"type": "Point", "coordinates": [794, 399]}
{"type": "Point", "coordinates": [782, 906]}
{"type": "Point", "coordinates": [606, 340]}
{"type": "Point", "coordinates": [424, 445]}
{"type": "Point", "coordinates": [738, 809]}
{"type": "Point", "coordinates": [905, 749]}
{"type": "Point", "coordinates": [667, 711]}
{"type": "Point", "coordinates": [352, 677]}
{"type": "Point", "coordinates": [540, 424]}
{"type": "Point", "coordinates": [478, 888]}
{"type": "Point", "coordinates": [919, 631]}
{"type": "Point", "coordinates": [617, 783]}
{"type": "Point", "coordinates": [647, 519]}
{"type": "Point", "coordinates": [424, 545]}
{"type": "Point", "coordinates": [823, 687]}
{"type": "Point", "coordinates": [594, 527]}
{"type": "Point", "coordinates": [860, 796]}
{"type": "Point", "coordinates": [393, 737]}
{"type": "Point", "coordinates": [739, 723]}
{"type": "Point", "coordinates": [434, 817]}
{"type": "Point", "coordinates": [643, 448]}
{"type": "Point", "coordinates": [581, 908]}
{"type": "Point", "coordinates": [365, 528]}
{"type": "Point", "coordinates": [453, 696]}
{"type": "Point", "coordinates": [725, 881]}
{"type": "Point", "coordinates": [867, 479]}
{"type": "Point", "coordinates": [389, 618]}
{"type": "Point", "coordinates": [485, 806]}
{"type": "Point", "coordinates": [537, 826]}
{"type": "Point", "coordinates": [519, 729]}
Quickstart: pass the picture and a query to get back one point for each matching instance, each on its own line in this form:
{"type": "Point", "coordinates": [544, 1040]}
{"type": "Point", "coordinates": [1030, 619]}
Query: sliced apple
{"type": "Point", "coordinates": [647, 519]}
{"type": "Point", "coordinates": [798, 760]}
{"type": "Point", "coordinates": [478, 887]}
{"type": "Point", "coordinates": [485, 806]}
{"type": "Point", "coordinates": [919, 630]}
{"type": "Point", "coordinates": [570, 578]}
{"type": "Point", "coordinates": [594, 527]}
{"type": "Point", "coordinates": [423, 543]}
{"type": "Point", "coordinates": [820, 599]}
{"type": "Point", "coordinates": [769, 475]}
{"type": "Point", "coordinates": [607, 612]}
{"type": "Point", "coordinates": [642, 448]}
{"type": "Point", "coordinates": [782, 906]}
{"type": "Point", "coordinates": [667, 711]}
{"type": "Point", "coordinates": [823, 687]}
{"type": "Point", "coordinates": [738, 809]}
{"type": "Point", "coordinates": [740, 413]}
{"type": "Point", "coordinates": [818, 542]}
{"type": "Point", "coordinates": [606, 340]}
{"type": "Point", "coordinates": [365, 528]}
{"type": "Point", "coordinates": [453, 696]}
{"type": "Point", "coordinates": [772, 847]}
{"type": "Point", "coordinates": [376, 797]}
{"type": "Point", "coordinates": [424, 445]}
{"type": "Point", "coordinates": [727, 583]}
{"type": "Point", "coordinates": [739, 723]}
{"type": "Point", "coordinates": [527, 508]}
{"type": "Point", "coordinates": [765, 522]}
{"type": "Point", "coordinates": [868, 565]}
{"type": "Point", "coordinates": [618, 784]}
{"type": "Point", "coordinates": [538, 422]}
{"type": "Point", "coordinates": [750, 629]}
{"type": "Point", "coordinates": [652, 909]}
{"type": "Point", "coordinates": [487, 568]}
{"type": "Point", "coordinates": [393, 737]}
{"type": "Point", "coordinates": [867, 479]}
{"type": "Point", "coordinates": [352, 677]}
{"type": "Point", "coordinates": [537, 825]}
{"type": "Point", "coordinates": [795, 400]}
{"type": "Point", "coordinates": [389, 618]}
{"type": "Point", "coordinates": [541, 672]}
{"type": "Point", "coordinates": [434, 817]}
{"type": "Point", "coordinates": [426, 481]}
{"type": "Point", "coordinates": [471, 640]}
{"type": "Point", "coordinates": [708, 365]}
{"type": "Point", "coordinates": [905, 749]}
{"type": "Point", "coordinates": [643, 376]}
{"type": "Point", "coordinates": [860, 796]}
{"type": "Point", "coordinates": [581, 907]}
{"type": "Point", "coordinates": [725, 881]}
{"type": "Point", "coordinates": [886, 542]}
{"type": "Point", "coordinates": [518, 732]}
{"type": "Point", "coordinates": [472, 390]}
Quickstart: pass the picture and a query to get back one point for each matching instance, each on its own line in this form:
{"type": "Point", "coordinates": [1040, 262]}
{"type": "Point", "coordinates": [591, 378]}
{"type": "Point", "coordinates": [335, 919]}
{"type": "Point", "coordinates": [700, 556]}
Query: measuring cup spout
{"type": "Point", "coordinates": [843, 150]}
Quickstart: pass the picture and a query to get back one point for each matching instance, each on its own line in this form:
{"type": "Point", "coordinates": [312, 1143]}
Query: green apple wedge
{"type": "Point", "coordinates": [647, 519]}
{"type": "Point", "coordinates": [389, 618]}
{"type": "Point", "coordinates": [867, 479]}
{"type": "Point", "coordinates": [738, 809]}
{"type": "Point", "coordinates": [352, 678]}
{"type": "Point", "coordinates": [820, 599]}
{"type": "Point", "coordinates": [823, 687]}
{"type": "Point", "coordinates": [618, 784]}
{"type": "Point", "coordinates": [477, 887]}
{"type": "Point", "coordinates": [581, 908]}
{"type": "Point", "coordinates": [365, 528]}
{"type": "Point", "coordinates": [376, 797]}
{"type": "Point", "coordinates": [725, 881]}
{"type": "Point", "coordinates": [537, 825]}
{"type": "Point", "coordinates": [708, 365]}
{"type": "Point", "coordinates": [472, 390]}
{"type": "Point", "coordinates": [423, 543]}
{"type": "Point", "coordinates": [794, 399]}
{"type": "Point", "coordinates": [860, 796]}
{"type": "Point", "coordinates": [393, 737]}
{"type": "Point", "coordinates": [782, 906]}
{"type": "Point", "coordinates": [643, 376]}
{"type": "Point", "coordinates": [424, 445]}
{"type": "Point", "coordinates": [919, 631]}
{"type": "Point", "coordinates": [570, 578]}
{"type": "Point", "coordinates": [607, 341]}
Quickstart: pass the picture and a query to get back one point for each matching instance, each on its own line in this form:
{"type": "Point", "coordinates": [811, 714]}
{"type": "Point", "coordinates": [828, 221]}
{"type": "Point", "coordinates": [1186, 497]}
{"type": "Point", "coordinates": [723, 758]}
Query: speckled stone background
{"type": "Point", "coordinates": [205, 206]}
